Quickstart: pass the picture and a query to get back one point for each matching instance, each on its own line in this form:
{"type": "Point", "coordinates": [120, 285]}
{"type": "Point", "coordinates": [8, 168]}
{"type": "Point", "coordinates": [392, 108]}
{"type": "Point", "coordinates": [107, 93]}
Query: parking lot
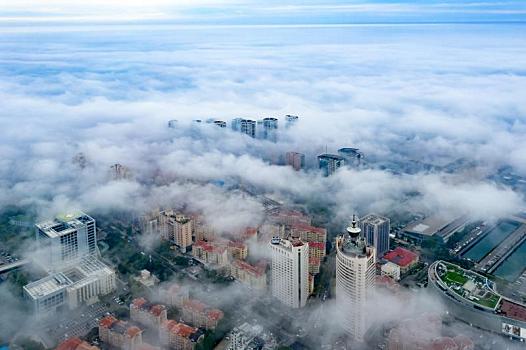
{"type": "Point", "coordinates": [77, 323]}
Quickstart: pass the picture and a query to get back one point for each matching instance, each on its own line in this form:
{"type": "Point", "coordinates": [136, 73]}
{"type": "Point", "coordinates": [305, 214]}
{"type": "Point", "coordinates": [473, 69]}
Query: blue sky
{"type": "Point", "coordinates": [261, 12]}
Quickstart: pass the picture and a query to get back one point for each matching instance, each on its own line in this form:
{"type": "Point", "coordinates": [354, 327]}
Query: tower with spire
{"type": "Point", "coordinates": [355, 277]}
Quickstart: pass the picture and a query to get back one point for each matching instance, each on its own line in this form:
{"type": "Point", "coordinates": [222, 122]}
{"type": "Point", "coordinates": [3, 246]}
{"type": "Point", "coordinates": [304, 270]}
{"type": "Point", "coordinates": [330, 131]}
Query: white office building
{"type": "Point", "coordinates": [66, 239]}
{"type": "Point", "coordinates": [375, 229]}
{"type": "Point", "coordinates": [290, 271]}
{"type": "Point", "coordinates": [75, 285]}
{"type": "Point", "coordinates": [69, 247]}
{"type": "Point", "coordinates": [355, 277]}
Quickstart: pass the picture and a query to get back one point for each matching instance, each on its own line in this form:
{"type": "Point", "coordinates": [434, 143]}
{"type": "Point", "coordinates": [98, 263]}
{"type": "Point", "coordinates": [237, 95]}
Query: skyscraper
{"type": "Point", "coordinates": [67, 239]}
{"type": "Point", "coordinates": [375, 229]}
{"type": "Point", "coordinates": [290, 271]}
{"type": "Point", "coordinates": [270, 129]}
{"type": "Point", "coordinates": [329, 163]}
{"type": "Point", "coordinates": [291, 120]}
{"type": "Point", "coordinates": [295, 160]}
{"type": "Point", "coordinates": [352, 156]}
{"type": "Point", "coordinates": [244, 126]}
{"type": "Point", "coordinates": [355, 276]}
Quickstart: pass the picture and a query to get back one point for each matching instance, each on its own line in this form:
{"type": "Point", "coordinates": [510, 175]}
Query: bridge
{"type": "Point", "coordinates": [13, 265]}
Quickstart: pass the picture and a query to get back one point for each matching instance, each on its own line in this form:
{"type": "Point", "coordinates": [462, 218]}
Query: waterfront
{"type": "Point", "coordinates": [491, 240]}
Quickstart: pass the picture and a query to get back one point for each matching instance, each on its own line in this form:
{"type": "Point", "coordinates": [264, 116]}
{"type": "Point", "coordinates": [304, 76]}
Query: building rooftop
{"type": "Point", "coordinates": [75, 343]}
{"type": "Point", "coordinates": [309, 228]}
{"type": "Point", "coordinates": [63, 224]}
{"type": "Point", "coordinates": [257, 270]}
{"type": "Point", "coordinates": [355, 247]}
{"type": "Point", "coordinates": [107, 321]}
{"type": "Point", "coordinates": [513, 310]}
{"type": "Point", "coordinates": [180, 329]}
{"type": "Point", "coordinates": [48, 285]}
{"type": "Point", "coordinates": [374, 219]}
{"type": "Point", "coordinates": [427, 227]}
{"type": "Point", "coordinates": [401, 256]}
{"type": "Point", "coordinates": [330, 156]}
{"type": "Point", "coordinates": [210, 247]}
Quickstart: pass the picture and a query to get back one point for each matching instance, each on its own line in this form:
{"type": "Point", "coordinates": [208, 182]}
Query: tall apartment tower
{"type": "Point", "coordinates": [67, 239]}
{"type": "Point", "coordinates": [290, 271]}
{"type": "Point", "coordinates": [176, 228]}
{"type": "Point", "coordinates": [353, 156]}
{"type": "Point", "coordinates": [291, 120]}
{"type": "Point", "coordinates": [355, 276]}
{"type": "Point", "coordinates": [244, 126]}
{"type": "Point", "coordinates": [270, 129]}
{"type": "Point", "coordinates": [295, 160]}
{"type": "Point", "coordinates": [329, 163]}
{"type": "Point", "coordinates": [375, 229]}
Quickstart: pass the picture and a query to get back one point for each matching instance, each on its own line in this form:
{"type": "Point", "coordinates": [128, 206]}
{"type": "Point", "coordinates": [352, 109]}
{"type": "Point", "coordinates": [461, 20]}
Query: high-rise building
{"type": "Point", "coordinates": [355, 278]}
{"type": "Point", "coordinates": [290, 271]}
{"type": "Point", "coordinates": [291, 120]}
{"type": "Point", "coordinates": [375, 229]}
{"type": "Point", "coordinates": [172, 124]}
{"type": "Point", "coordinates": [295, 160]}
{"type": "Point", "coordinates": [120, 172]}
{"type": "Point", "coordinates": [329, 163]}
{"type": "Point", "coordinates": [244, 126]}
{"type": "Point", "coordinates": [176, 228]}
{"type": "Point", "coordinates": [352, 156]}
{"type": "Point", "coordinates": [220, 123]}
{"type": "Point", "coordinates": [66, 239]}
{"type": "Point", "coordinates": [270, 129]}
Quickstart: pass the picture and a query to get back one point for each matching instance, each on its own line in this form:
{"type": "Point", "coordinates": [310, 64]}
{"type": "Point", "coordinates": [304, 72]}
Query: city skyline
{"type": "Point", "coordinates": [243, 175]}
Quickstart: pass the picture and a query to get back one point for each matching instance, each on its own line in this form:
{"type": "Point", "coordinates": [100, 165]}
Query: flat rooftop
{"type": "Point", "coordinates": [64, 224]}
{"type": "Point", "coordinates": [428, 227]}
{"type": "Point", "coordinates": [374, 219]}
{"type": "Point", "coordinates": [48, 285]}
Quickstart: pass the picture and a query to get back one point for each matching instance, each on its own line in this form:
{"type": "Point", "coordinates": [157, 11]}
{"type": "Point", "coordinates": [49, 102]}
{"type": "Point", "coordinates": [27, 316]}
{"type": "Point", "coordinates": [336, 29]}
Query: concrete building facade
{"type": "Point", "coordinates": [290, 271]}
{"type": "Point", "coordinates": [355, 278]}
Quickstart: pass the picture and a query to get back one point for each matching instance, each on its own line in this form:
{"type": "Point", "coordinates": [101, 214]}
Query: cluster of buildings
{"type": "Point", "coordinates": [266, 128]}
{"type": "Point", "coordinates": [185, 334]}
{"type": "Point", "coordinates": [328, 163]}
{"type": "Point", "coordinates": [67, 250]}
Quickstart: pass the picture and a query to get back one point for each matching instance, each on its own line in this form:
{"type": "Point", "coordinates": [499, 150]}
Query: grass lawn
{"type": "Point", "coordinates": [455, 277]}
{"type": "Point", "coordinates": [490, 302]}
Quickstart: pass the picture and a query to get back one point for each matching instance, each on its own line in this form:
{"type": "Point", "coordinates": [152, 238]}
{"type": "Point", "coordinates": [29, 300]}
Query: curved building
{"type": "Point", "coordinates": [473, 298]}
{"type": "Point", "coordinates": [355, 276]}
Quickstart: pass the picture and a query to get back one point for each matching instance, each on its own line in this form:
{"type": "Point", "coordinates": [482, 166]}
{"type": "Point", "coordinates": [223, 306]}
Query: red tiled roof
{"type": "Point", "coordinates": [215, 314]}
{"type": "Point", "coordinates": [69, 344]}
{"type": "Point", "coordinates": [133, 331]}
{"type": "Point", "coordinates": [107, 321]}
{"type": "Point", "coordinates": [237, 244]}
{"type": "Point", "coordinates": [138, 302]}
{"type": "Point", "coordinates": [256, 270]}
{"type": "Point", "coordinates": [179, 329]}
{"type": "Point", "coordinates": [156, 310]}
{"type": "Point", "coordinates": [309, 228]}
{"type": "Point", "coordinates": [249, 232]}
{"type": "Point", "coordinates": [401, 257]}
{"type": "Point", "coordinates": [512, 310]}
{"type": "Point", "coordinates": [195, 305]}
{"type": "Point", "coordinates": [209, 247]}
